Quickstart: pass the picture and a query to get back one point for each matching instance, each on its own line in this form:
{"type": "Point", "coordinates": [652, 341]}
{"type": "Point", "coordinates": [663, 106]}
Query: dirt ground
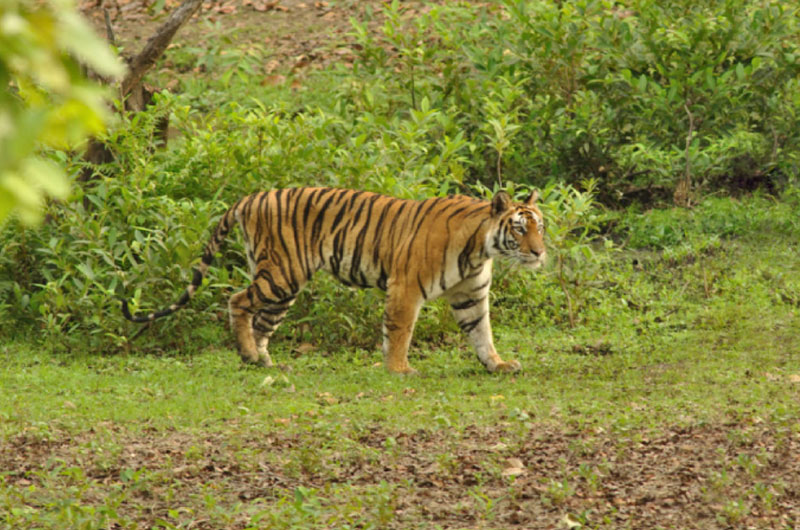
{"type": "Point", "coordinates": [296, 34]}
{"type": "Point", "coordinates": [732, 476]}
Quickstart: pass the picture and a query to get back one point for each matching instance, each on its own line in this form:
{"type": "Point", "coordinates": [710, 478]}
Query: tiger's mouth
{"type": "Point", "coordinates": [533, 262]}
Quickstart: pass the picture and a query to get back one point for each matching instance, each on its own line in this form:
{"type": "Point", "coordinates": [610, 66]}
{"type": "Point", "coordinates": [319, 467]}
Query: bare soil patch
{"type": "Point", "coordinates": [712, 476]}
{"type": "Point", "coordinates": [296, 34]}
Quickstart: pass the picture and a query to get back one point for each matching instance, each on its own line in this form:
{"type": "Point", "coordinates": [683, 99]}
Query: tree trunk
{"type": "Point", "coordinates": [135, 94]}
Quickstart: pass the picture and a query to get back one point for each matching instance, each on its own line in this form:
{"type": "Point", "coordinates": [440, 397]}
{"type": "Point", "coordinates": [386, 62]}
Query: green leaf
{"type": "Point", "coordinates": [46, 176]}
{"type": "Point", "coordinates": [76, 36]}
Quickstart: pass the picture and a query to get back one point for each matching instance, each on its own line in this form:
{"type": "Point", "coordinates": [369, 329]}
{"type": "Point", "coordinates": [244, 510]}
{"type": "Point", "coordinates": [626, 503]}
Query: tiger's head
{"type": "Point", "coordinates": [518, 231]}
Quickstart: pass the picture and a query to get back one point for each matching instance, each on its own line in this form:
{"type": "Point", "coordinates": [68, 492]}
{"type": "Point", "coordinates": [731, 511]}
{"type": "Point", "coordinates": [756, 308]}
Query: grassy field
{"type": "Point", "coordinates": [673, 404]}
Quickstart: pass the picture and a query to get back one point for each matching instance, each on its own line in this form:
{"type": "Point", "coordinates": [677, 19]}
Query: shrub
{"type": "Point", "coordinates": [585, 100]}
{"type": "Point", "coordinates": [640, 95]}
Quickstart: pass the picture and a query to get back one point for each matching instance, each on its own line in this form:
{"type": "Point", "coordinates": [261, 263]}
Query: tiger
{"type": "Point", "coordinates": [414, 250]}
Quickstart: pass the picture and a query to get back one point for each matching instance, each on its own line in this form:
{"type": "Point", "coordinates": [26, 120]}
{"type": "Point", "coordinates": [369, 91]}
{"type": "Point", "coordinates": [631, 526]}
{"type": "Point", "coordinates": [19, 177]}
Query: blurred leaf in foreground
{"type": "Point", "coordinates": [46, 100]}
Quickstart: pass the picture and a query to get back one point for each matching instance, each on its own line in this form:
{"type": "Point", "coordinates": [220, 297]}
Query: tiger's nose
{"type": "Point", "coordinates": [539, 253]}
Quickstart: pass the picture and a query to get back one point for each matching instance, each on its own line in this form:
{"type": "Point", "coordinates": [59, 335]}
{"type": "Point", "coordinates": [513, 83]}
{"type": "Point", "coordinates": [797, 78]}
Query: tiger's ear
{"type": "Point", "coordinates": [532, 198]}
{"type": "Point", "coordinates": [500, 202]}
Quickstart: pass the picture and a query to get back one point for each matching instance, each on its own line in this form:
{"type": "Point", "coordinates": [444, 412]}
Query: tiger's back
{"type": "Point", "coordinates": [414, 250]}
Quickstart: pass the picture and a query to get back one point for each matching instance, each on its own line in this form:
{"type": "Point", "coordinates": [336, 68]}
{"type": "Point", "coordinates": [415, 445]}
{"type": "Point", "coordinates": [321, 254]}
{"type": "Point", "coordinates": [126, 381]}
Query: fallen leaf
{"type": "Point", "coordinates": [265, 6]}
{"type": "Point", "coordinates": [226, 9]}
{"type": "Point", "coordinates": [515, 468]}
{"type": "Point", "coordinates": [326, 398]}
{"type": "Point", "coordinates": [271, 66]}
{"type": "Point", "coordinates": [794, 378]}
{"type": "Point", "coordinates": [172, 84]}
{"type": "Point", "coordinates": [304, 347]}
{"type": "Point", "coordinates": [570, 522]}
{"type": "Point", "coordinates": [301, 61]}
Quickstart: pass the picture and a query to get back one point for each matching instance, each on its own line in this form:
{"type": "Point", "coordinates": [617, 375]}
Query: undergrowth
{"type": "Point", "coordinates": [595, 104]}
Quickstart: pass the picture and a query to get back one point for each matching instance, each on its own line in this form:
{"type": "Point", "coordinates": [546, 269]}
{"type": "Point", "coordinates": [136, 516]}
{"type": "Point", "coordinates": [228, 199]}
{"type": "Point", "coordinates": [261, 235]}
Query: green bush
{"type": "Point", "coordinates": [713, 219]}
{"type": "Point", "coordinates": [586, 100]}
{"type": "Point", "coordinates": [128, 235]}
{"type": "Point", "coordinates": [638, 94]}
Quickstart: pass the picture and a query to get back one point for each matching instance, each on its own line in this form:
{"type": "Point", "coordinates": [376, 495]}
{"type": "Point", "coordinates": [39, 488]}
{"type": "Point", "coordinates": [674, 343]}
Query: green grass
{"type": "Point", "coordinates": [667, 342]}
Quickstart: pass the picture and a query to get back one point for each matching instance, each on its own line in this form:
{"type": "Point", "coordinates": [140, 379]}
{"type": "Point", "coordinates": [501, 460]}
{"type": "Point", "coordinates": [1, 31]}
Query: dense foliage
{"type": "Point", "coordinates": [585, 100]}
{"type": "Point", "coordinates": [639, 94]}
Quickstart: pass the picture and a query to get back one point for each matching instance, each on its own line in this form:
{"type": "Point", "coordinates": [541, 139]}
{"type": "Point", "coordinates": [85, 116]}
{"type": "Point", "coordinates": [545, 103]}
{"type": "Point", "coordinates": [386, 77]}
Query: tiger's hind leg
{"type": "Point", "coordinates": [265, 322]}
{"type": "Point", "coordinates": [402, 308]}
{"type": "Point", "coordinates": [257, 311]}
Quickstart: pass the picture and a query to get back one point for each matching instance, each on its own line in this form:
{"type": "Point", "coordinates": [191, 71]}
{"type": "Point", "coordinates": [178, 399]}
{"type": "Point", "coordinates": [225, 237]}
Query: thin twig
{"type": "Point", "coordinates": [413, 86]}
{"type": "Point", "coordinates": [109, 29]}
{"type": "Point", "coordinates": [688, 174]}
{"type": "Point", "coordinates": [499, 169]}
{"type": "Point", "coordinates": [681, 194]}
{"type": "Point", "coordinates": [774, 155]}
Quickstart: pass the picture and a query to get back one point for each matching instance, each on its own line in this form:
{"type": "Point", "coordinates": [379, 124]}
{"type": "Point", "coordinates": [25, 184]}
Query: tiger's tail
{"type": "Point", "coordinates": [218, 237]}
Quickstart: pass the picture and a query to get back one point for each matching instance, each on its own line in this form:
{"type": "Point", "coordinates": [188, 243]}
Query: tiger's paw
{"type": "Point", "coordinates": [507, 367]}
{"type": "Point", "coordinates": [262, 359]}
{"type": "Point", "coordinates": [406, 370]}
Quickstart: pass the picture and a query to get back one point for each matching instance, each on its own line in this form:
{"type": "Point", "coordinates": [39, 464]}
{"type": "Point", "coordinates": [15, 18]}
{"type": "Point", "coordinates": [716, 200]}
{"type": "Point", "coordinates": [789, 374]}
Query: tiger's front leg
{"type": "Point", "coordinates": [470, 303]}
{"type": "Point", "coordinates": [265, 322]}
{"type": "Point", "coordinates": [399, 317]}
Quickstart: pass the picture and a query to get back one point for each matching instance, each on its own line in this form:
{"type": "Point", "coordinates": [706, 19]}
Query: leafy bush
{"type": "Point", "coordinates": [585, 100]}
{"type": "Point", "coordinates": [641, 95]}
{"type": "Point", "coordinates": [128, 235]}
{"type": "Point", "coordinates": [714, 218]}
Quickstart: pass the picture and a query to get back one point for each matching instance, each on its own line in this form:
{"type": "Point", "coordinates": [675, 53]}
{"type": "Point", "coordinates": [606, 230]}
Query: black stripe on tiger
{"type": "Point", "coordinates": [468, 325]}
{"type": "Point", "coordinates": [466, 304]}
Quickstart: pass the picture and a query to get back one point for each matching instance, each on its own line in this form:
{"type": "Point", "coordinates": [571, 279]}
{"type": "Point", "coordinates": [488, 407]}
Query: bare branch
{"type": "Point", "coordinates": [681, 196]}
{"type": "Point", "coordinates": [156, 44]}
{"type": "Point", "coordinates": [688, 172]}
{"type": "Point", "coordinates": [109, 30]}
